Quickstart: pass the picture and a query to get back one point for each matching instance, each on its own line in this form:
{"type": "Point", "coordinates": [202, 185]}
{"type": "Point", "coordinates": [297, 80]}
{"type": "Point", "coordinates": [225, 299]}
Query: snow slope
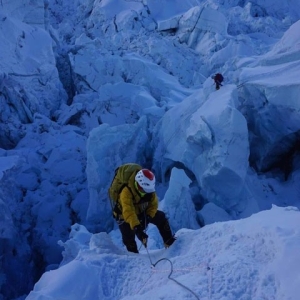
{"type": "Point", "coordinates": [255, 258]}
{"type": "Point", "coordinates": [86, 85]}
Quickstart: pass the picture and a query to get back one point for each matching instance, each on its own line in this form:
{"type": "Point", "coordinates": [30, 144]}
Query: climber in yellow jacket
{"type": "Point", "coordinates": [137, 205]}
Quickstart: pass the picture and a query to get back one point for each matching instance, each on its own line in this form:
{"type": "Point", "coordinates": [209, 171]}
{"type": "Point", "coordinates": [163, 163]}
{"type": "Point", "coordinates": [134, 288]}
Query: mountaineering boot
{"type": "Point", "coordinates": [132, 247]}
{"type": "Point", "coordinates": [169, 242]}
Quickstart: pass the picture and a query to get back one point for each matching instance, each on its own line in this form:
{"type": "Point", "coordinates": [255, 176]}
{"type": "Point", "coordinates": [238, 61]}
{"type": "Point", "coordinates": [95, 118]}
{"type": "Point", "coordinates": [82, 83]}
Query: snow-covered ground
{"type": "Point", "coordinates": [88, 85]}
{"type": "Point", "coordinates": [254, 258]}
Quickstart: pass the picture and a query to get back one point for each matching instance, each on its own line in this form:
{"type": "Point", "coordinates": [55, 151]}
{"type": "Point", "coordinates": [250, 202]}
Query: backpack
{"type": "Point", "coordinates": [122, 175]}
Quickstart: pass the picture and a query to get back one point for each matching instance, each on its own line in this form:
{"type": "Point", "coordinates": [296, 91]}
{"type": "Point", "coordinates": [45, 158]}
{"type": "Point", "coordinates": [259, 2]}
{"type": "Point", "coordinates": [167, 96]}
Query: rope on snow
{"type": "Point", "coordinates": [186, 269]}
{"type": "Point", "coordinates": [176, 281]}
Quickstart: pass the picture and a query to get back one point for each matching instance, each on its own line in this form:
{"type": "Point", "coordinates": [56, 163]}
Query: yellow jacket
{"type": "Point", "coordinates": [131, 204]}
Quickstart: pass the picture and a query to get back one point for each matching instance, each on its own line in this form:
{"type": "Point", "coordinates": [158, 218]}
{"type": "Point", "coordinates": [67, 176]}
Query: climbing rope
{"type": "Point", "coordinates": [191, 269]}
{"type": "Point", "coordinates": [172, 269]}
{"type": "Point", "coordinates": [149, 256]}
{"type": "Point", "coordinates": [169, 276]}
{"type": "Point", "coordinates": [201, 266]}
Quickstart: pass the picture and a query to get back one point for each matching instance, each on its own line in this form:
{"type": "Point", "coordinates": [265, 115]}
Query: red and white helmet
{"type": "Point", "coordinates": [146, 180]}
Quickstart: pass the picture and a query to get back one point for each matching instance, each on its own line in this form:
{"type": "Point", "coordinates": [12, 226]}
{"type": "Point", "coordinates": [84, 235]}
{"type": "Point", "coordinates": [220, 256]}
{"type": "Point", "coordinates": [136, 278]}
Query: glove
{"type": "Point", "coordinates": [141, 235]}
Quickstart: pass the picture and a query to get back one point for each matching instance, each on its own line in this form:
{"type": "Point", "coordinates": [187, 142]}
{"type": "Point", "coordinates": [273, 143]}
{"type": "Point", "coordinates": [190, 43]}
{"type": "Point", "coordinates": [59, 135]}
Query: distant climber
{"type": "Point", "coordinates": [218, 78]}
{"type": "Point", "coordinates": [135, 205]}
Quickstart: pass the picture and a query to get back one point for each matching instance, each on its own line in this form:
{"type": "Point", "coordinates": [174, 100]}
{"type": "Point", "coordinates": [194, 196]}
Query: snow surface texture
{"type": "Point", "coordinates": [254, 258]}
{"type": "Point", "coordinates": [87, 85]}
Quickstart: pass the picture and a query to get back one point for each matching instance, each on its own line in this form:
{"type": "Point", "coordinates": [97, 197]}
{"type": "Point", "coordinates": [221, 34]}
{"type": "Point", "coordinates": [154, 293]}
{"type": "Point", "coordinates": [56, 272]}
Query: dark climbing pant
{"type": "Point", "coordinates": [161, 222]}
